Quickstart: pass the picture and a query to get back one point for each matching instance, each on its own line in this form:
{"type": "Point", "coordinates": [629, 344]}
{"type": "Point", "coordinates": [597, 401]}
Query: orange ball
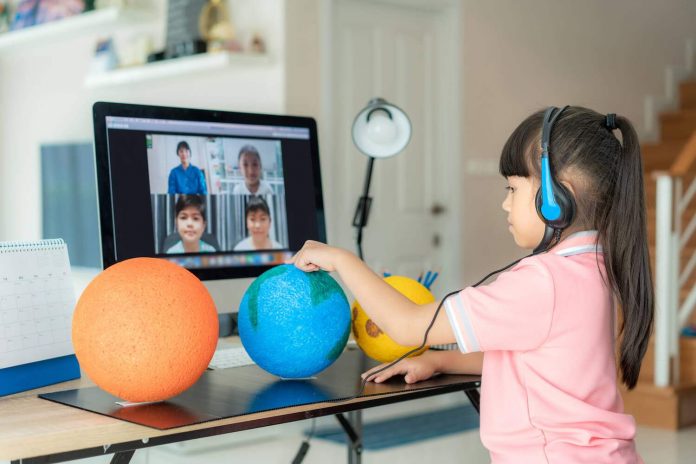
{"type": "Point", "coordinates": [145, 329]}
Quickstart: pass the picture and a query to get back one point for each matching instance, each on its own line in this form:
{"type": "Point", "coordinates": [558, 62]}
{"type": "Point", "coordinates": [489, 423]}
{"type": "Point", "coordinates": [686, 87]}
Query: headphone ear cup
{"type": "Point", "coordinates": [538, 202]}
{"type": "Point", "coordinates": [565, 201]}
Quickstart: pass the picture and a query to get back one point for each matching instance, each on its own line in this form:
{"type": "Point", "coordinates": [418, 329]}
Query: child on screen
{"type": "Point", "coordinates": [190, 225]}
{"type": "Point", "coordinates": [543, 334]}
{"type": "Point", "coordinates": [186, 178]}
{"type": "Point", "coordinates": [258, 223]}
{"type": "Point", "coordinates": [249, 162]}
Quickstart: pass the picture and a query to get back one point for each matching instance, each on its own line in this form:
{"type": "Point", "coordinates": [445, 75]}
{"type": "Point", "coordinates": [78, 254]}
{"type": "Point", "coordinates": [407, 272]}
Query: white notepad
{"type": "Point", "coordinates": [36, 302]}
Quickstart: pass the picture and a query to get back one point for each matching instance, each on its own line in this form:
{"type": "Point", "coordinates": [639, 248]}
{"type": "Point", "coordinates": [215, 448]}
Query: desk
{"type": "Point", "coordinates": [33, 430]}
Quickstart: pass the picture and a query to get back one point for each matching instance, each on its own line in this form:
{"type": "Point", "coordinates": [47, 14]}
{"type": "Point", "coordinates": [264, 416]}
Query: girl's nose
{"type": "Point", "coordinates": [506, 204]}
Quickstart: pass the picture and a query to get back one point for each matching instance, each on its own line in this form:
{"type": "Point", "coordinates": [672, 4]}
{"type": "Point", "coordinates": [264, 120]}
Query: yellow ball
{"type": "Point", "coordinates": [371, 339]}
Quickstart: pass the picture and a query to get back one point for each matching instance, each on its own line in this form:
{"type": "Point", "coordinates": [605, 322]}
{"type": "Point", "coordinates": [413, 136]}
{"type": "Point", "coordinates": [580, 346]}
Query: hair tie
{"type": "Point", "coordinates": [610, 122]}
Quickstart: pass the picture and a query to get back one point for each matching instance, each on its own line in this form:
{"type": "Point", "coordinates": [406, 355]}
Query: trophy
{"type": "Point", "coordinates": [216, 27]}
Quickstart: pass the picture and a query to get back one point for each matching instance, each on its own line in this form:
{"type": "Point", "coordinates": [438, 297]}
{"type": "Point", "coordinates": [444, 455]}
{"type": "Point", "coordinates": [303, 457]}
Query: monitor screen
{"type": "Point", "coordinates": [223, 194]}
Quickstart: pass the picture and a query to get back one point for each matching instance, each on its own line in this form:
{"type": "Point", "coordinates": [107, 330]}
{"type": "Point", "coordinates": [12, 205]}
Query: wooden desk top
{"type": "Point", "coordinates": [31, 427]}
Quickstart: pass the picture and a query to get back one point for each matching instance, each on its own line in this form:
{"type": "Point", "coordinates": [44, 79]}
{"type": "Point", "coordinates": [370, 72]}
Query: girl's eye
{"type": "Point", "coordinates": [510, 189]}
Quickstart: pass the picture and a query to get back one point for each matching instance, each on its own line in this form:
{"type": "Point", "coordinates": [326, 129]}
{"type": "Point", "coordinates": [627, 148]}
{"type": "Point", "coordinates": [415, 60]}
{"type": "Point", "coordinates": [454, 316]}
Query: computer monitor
{"type": "Point", "coordinates": [226, 195]}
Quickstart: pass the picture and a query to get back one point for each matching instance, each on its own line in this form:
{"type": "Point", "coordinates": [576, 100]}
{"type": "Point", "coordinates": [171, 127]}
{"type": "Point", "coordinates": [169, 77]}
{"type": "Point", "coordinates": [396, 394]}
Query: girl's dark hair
{"type": "Point", "coordinates": [250, 150]}
{"type": "Point", "coordinates": [607, 177]}
{"type": "Point", "coordinates": [182, 144]}
{"type": "Point", "coordinates": [184, 201]}
{"type": "Point", "coordinates": [257, 203]}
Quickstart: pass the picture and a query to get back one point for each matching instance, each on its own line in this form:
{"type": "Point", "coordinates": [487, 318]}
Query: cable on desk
{"type": "Point", "coordinates": [430, 326]}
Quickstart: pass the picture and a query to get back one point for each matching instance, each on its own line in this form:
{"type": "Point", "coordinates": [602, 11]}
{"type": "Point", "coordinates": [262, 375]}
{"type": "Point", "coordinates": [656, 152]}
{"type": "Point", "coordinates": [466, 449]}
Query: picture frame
{"type": "Point", "coordinates": [34, 12]}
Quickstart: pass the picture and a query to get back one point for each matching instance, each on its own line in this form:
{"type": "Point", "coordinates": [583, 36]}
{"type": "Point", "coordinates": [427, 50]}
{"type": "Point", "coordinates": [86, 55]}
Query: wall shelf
{"type": "Point", "coordinates": [175, 67]}
{"type": "Point", "coordinates": [91, 21]}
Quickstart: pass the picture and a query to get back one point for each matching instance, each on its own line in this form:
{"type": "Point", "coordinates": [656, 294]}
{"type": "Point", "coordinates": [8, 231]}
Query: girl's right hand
{"type": "Point", "coordinates": [414, 370]}
{"type": "Point", "coordinates": [315, 256]}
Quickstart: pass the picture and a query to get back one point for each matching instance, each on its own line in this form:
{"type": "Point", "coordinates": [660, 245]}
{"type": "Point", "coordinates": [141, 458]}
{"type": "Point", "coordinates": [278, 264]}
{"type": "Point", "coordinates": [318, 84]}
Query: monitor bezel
{"type": "Point", "coordinates": [101, 110]}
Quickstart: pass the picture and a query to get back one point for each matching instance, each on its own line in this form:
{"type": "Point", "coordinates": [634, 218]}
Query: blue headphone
{"type": "Point", "coordinates": [554, 203]}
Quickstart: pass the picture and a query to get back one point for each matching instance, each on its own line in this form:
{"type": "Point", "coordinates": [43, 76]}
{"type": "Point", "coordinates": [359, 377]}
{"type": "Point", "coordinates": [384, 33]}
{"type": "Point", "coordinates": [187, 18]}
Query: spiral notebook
{"type": "Point", "coordinates": [36, 305]}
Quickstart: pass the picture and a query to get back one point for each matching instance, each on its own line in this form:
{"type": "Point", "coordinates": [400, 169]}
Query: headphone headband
{"type": "Point", "coordinates": [550, 116]}
{"type": "Point", "coordinates": [555, 204]}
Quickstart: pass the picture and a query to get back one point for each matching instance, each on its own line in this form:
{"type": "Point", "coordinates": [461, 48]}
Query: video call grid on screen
{"type": "Point", "coordinates": [224, 199]}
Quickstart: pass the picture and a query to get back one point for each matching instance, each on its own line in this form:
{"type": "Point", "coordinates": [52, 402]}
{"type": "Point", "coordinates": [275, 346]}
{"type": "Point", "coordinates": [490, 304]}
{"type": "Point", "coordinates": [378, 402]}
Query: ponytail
{"type": "Point", "coordinates": [623, 234]}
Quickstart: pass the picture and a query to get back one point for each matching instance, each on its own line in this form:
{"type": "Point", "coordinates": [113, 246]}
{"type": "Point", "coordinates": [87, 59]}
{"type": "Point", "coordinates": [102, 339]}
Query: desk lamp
{"type": "Point", "coordinates": [380, 130]}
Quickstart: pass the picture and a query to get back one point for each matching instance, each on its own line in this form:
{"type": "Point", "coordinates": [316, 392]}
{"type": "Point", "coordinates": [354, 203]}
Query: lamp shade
{"type": "Point", "coordinates": [381, 129]}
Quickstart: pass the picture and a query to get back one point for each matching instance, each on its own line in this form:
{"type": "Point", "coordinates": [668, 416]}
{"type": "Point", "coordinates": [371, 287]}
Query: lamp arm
{"type": "Point", "coordinates": [362, 211]}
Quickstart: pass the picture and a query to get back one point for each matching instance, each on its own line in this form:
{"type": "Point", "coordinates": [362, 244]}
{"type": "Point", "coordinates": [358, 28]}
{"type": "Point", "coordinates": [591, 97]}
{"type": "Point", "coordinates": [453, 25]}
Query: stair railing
{"type": "Point", "coordinates": [670, 240]}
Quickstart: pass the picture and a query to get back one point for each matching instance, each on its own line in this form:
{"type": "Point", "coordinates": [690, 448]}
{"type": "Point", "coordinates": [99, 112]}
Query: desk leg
{"type": "Point", "coordinates": [474, 397]}
{"type": "Point", "coordinates": [353, 429]}
{"type": "Point", "coordinates": [355, 453]}
{"type": "Point", "coordinates": [122, 457]}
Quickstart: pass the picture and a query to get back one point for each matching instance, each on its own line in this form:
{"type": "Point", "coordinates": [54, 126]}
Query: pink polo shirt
{"type": "Point", "coordinates": [549, 390]}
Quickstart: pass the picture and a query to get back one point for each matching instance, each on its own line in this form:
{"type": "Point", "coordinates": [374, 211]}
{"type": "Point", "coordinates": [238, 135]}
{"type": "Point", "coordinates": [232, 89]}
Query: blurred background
{"type": "Point", "coordinates": [466, 72]}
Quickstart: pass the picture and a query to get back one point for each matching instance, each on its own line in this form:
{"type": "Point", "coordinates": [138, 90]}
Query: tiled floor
{"type": "Point", "coordinates": [665, 447]}
{"type": "Point", "coordinates": [656, 447]}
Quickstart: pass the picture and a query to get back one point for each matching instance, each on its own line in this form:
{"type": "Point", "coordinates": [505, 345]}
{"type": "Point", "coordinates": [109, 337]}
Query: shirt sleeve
{"type": "Point", "coordinates": [267, 189]}
{"type": "Point", "coordinates": [513, 313]}
{"type": "Point", "coordinates": [201, 181]}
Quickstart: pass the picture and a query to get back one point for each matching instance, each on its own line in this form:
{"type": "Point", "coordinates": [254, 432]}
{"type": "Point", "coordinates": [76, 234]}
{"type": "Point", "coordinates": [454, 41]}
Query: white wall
{"type": "Point", "coordinates": [43, 99]}
{"type": "Point", "coordinates": [519, 57]}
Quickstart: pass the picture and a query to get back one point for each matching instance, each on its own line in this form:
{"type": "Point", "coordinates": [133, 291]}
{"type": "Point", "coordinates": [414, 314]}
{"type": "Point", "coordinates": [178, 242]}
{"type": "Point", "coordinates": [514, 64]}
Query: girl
{"type": "Point", "coordinates": [542, 335]}
{"type": "Point", "coordinates": [258, 222]}
{"type": "Point", "coordinates": [190, 225]}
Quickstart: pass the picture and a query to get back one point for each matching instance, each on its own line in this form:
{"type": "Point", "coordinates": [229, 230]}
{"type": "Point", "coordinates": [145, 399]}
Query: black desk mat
{"type": "Point", "coordinates": [239, 391]}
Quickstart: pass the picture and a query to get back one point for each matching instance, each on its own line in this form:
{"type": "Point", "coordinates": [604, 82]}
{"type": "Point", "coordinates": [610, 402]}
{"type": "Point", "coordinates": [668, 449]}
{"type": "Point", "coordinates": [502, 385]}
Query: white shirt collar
{"type": "Point", "coordinates": [577, 243]}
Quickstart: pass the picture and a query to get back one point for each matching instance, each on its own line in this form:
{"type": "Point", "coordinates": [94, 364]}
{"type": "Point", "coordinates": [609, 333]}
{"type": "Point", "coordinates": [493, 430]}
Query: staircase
{"type": "Point", "coordinates": [672, 406]}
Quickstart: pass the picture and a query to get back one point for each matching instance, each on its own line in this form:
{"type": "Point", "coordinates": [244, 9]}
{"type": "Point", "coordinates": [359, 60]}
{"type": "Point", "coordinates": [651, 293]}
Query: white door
{"type": "Point", "coordinates": [409, 56]}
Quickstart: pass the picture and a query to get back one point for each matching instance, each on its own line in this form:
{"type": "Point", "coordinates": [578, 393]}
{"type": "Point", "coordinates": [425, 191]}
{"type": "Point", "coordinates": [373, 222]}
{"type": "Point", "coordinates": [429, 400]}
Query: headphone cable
{"type": "Point", "coordinates": [432, 322]}
{"type": "Point", "coordinates": [304, 447]}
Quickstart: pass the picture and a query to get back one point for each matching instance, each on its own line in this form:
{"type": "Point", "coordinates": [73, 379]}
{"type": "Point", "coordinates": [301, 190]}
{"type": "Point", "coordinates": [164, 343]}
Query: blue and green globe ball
{"type": "Point", "coordinates": [294, 324]}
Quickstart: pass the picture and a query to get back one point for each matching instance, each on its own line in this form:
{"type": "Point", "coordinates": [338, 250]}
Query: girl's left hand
{"type": "Point", "coordinates": [315, 256]}
{"type": "Point", "coordinates": [414, 370]}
